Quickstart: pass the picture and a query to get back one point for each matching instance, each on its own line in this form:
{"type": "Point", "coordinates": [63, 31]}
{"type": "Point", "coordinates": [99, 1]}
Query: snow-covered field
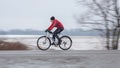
{"type": "Point", "coordinates": [79, 42]}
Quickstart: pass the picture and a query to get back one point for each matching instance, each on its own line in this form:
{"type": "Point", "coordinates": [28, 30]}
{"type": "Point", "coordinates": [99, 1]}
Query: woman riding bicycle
{"type": "Point", "coordinates": [58, 25]}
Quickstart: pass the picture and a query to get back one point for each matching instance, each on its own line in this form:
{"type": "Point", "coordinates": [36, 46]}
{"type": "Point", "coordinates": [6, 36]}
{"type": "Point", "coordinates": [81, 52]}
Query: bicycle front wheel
{"type": "Point", "coordinates": [43, 43]}
{"type": "Point", "coordinates": [66, 43]}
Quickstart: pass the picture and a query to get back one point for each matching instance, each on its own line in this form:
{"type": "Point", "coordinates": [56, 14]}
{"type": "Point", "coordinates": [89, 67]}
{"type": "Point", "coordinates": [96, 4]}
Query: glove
{"type": "Point", "coordinates": [49, 31]}
{"type": "Point", "coordinates": [46, 30]}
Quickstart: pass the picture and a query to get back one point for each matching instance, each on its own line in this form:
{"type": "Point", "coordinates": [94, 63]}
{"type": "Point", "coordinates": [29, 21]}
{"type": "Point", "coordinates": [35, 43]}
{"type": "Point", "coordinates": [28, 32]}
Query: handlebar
{"type": "Point", "coordinates": [49, 32]}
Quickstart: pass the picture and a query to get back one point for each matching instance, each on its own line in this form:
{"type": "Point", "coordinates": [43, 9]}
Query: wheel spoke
{"type": "Point", "coordinates": [43, 43]}
{"type": "Point", "coordinates": [66, 43]}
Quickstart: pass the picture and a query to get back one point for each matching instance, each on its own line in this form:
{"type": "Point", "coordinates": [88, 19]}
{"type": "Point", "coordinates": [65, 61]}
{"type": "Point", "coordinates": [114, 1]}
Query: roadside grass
{"type": "Point", "coordinates": [12, 46]}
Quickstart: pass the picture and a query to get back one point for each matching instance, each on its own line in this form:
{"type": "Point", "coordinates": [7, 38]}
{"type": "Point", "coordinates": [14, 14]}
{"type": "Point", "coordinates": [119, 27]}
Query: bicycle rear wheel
{"type": "Point", "coordinates": [43, 43]}
{"type": "Point", "coordinates": [66, 43]}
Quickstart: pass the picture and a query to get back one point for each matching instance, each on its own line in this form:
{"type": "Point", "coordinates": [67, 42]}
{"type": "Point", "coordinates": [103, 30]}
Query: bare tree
{"type": "Point", "coordinates": [104, 14]}
{"type": "Point", "coordinates": [116, 30]}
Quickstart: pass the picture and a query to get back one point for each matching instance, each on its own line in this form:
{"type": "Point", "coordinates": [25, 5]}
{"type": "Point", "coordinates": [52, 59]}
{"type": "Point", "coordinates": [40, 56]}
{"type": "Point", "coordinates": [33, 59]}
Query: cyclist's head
{"type": "Point", "coordinates": [52, 18]}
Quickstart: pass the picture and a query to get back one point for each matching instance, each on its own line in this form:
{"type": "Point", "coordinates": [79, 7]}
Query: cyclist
{"type": "Point", "coordinates": [58, 25]}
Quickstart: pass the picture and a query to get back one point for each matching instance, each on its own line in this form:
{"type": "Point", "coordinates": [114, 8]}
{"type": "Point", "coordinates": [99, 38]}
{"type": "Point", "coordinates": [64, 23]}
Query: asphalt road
{"type": "Point", "coordinates": [60, 59]}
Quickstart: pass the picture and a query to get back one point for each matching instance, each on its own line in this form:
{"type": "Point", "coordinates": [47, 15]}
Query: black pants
{"type": "Point", "coordinates": [56, 32]}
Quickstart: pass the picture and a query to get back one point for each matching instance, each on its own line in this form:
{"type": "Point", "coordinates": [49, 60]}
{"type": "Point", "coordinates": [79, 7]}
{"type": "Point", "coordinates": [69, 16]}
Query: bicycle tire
{"type": "Point", "coordinates": [62, 41]}
{"type": "Point", "coordinates": [40, 46]}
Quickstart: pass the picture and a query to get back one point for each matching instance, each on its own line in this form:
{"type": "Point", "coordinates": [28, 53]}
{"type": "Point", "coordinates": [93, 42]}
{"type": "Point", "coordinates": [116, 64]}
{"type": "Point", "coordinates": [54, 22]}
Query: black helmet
{"type": "Point", "coordinates": [52, 18]}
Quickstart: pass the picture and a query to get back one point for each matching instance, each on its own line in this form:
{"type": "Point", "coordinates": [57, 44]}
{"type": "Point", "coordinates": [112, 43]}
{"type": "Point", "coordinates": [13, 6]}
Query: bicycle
{"type": "Point", "coordinates": [45, 42]}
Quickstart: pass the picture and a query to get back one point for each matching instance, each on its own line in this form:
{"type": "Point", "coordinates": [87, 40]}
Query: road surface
{"type": "Point", "coordinates": [60, 59]}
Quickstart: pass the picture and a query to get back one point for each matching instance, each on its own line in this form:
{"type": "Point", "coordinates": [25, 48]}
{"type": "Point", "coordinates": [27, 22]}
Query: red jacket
{"type": "Point", "coordinates": [57, 24]}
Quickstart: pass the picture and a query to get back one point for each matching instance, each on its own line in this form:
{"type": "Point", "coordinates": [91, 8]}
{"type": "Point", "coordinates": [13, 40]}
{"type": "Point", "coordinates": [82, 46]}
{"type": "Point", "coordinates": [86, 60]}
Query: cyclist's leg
{"type": "Point", "coordinates": [55, 34]}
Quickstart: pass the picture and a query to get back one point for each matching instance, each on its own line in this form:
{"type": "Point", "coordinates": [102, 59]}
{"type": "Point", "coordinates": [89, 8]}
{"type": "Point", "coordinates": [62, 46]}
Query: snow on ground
{"type": "Point", "coordinates": [79, 42]}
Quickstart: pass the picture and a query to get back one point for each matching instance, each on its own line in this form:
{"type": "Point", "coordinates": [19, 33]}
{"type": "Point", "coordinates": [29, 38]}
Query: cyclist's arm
{"type": "Point", "coordinates": [52, 26]}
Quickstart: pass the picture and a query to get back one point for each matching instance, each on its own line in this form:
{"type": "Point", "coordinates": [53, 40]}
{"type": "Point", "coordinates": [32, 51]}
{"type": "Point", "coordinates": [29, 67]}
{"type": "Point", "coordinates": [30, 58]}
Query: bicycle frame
{"type": "Point", "coordinates": [48, 35]}
{"type": "Point", "coordinates": [51, 39]}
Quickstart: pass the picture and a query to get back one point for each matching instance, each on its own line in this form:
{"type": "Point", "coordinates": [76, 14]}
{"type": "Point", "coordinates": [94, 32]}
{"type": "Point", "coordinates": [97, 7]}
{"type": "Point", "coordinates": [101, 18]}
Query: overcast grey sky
{"type": "Point", "coordinates": [35, 14]}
